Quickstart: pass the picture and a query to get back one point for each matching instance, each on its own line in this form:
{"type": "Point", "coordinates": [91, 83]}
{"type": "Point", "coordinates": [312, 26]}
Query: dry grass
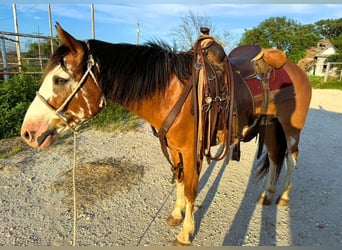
{"type": "Point", "coordinates": [99, 180]}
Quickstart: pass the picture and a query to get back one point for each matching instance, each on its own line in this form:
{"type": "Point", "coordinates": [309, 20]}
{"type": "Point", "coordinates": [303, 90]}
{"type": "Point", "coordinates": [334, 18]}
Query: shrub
{"type": "Point", "coordinates": [15, 97]}
{"type": "Point", "coordinates": [17, 94]}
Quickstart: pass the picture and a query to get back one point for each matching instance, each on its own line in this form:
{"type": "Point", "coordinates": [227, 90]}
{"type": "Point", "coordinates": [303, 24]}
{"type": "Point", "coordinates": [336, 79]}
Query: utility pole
{"type": "Point", "coordinates": [92, 22]}
{"type": "Point", "coordinates": [17, 44]}
{"type": "Point", "coordinates": [50, 26]}
{"type": "Point", "coordinates": [138, 32]}
{"type": "Point", "coordinates": [39, 52]}
{"type": "Point", "coordinates": [4, 58]}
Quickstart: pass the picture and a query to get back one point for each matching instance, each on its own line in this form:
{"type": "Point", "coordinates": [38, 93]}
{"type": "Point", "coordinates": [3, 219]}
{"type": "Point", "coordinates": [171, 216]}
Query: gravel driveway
{"type": "Point", "coordinates": [124, 194]}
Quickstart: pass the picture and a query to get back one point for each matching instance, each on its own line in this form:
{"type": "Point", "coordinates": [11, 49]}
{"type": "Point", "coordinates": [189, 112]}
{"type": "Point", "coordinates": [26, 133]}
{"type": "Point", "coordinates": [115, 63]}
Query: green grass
{"type": "Point", "coordinates": [10, 147]}
{"type": "Point", "coordinates": [318, 83]}
{"type": "Point", "coordinates": [114, 118]}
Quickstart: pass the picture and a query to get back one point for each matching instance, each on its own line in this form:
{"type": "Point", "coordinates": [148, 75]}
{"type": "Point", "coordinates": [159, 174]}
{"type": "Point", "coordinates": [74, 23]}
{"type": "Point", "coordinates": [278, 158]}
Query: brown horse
{"type": "Point", "coordinates": [149, 80]}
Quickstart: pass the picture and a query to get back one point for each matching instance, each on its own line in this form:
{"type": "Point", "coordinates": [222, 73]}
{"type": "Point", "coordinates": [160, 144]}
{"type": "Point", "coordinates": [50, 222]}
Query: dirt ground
{"type": "Point", "coordinates": [124, 195]}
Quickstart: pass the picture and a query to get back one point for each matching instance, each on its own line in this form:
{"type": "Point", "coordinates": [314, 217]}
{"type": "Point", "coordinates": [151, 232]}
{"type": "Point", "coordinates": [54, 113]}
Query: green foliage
{"type": "Point", "coordinates": [332, 29]}
{"type": "Point", "coordinates": [114, 117]}
{"type": "Point", "coordinates": [329, 28]}
{"type": "Point", "coordinates": [17, 94]}
{"type": "Point", "coordinates": [284, 34]}
{"type": "Point", "coordinates": [43, 48]}
{"type": "Point", "coordinates": [15, 97]}
{"type": "Point", "coordinates": [337, 42]}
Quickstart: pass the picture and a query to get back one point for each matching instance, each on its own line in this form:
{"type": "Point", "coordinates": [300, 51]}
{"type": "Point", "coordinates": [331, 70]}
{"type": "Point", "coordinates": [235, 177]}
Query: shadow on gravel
{"type": "Point", "coordinates": [237, 234]}
{"type": "Point", "coordinates": [313, 207]}
{"type": "Point", "coordinates": [238, 231]}
{"type": "Point", "coordinates": [98, 180]}
{"type": "Point", "coordinates": [315, 204]}
{"type": "Point", "coordinates": [200, 213]}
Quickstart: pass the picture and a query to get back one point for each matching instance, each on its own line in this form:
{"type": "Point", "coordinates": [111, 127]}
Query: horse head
{"type": "Point", "coordinates": [69, 93]}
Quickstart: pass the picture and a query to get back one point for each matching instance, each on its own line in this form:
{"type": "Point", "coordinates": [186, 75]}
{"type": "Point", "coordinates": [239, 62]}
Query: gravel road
{"type": "Point", "coordinates": [124, 195]}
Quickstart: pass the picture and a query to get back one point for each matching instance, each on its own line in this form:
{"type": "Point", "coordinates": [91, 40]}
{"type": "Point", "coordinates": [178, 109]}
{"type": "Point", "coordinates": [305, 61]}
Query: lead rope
{"type": "Point", "coordinates": [74, 189]}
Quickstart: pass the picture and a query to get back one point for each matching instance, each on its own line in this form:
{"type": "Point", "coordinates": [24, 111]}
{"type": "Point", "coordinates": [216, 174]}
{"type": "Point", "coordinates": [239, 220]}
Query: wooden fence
{"type": "Point", "coordinates": [14, 59]}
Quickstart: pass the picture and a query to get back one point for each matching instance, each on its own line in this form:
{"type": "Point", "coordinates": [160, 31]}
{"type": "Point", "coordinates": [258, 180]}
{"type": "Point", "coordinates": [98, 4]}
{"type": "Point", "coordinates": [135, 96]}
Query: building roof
{"type": "Point", "coordinates": [323, 49]}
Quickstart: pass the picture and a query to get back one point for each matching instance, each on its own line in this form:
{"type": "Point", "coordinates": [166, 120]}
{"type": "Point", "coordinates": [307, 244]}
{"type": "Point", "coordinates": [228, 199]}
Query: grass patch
{"type": "Point", "coordinates": [114, 118]}
{"type": "Point", "coordinates": [318, 83]}
{"type": "Point", "coordinates": [11, 146]}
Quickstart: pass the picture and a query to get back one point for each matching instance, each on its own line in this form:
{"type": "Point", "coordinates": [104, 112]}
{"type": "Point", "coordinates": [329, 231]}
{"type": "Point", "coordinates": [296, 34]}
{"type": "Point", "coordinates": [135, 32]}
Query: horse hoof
{"type": "Point", "coordinates": [171, 221]}
{"type": "Point", "coordinates": [177, 243]}
{"type": "Point", "coordinates": [264, 201]}
{"type": "Point", "coordinates": [282, 202]}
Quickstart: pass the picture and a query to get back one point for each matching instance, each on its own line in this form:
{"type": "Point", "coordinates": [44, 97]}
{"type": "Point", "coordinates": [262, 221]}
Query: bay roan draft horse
{"type": "Point", "coordinates": [193, 100]}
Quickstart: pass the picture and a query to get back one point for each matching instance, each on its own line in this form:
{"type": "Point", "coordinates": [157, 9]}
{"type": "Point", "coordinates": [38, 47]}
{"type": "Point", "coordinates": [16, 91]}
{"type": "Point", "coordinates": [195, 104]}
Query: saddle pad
{"type": "Point", "coordinates": [279, 79]}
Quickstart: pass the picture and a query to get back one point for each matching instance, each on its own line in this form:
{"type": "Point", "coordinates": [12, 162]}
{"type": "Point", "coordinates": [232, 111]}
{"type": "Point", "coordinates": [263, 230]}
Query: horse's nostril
{"type": "Point", "coordinates": [27, 136]}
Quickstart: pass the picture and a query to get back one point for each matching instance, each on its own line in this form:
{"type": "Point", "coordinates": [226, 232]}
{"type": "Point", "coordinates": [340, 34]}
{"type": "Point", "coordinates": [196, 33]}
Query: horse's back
{"type": "Point", "coordinates": [302, 98]}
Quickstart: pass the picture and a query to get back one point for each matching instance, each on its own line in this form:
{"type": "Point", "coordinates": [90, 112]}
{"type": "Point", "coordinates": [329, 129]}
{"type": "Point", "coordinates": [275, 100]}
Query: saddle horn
{"type": "Point", "coordinates": [205, 30]}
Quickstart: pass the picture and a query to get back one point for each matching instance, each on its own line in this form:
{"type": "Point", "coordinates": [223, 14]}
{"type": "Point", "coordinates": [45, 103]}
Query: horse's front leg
{"type": "Point", "coordinates": [183, 238]}
{"type": "Point", "coordinates": [186, 206]}
{"type": "Point", "coordinates": [176, 216]}
{"type": "Point", "coordinates": [187, 185]}
{"type": "Point", "coordinates": [186, 196]}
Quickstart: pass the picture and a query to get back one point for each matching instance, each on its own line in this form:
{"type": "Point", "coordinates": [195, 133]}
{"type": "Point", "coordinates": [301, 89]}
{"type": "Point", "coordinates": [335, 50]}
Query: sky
{"type": "Point", "coordinates": [117, 22]}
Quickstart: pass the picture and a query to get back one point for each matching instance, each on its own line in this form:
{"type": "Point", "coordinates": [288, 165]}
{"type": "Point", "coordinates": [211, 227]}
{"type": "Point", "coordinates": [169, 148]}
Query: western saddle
{"type": "Point", "coordinates": [220, 118]}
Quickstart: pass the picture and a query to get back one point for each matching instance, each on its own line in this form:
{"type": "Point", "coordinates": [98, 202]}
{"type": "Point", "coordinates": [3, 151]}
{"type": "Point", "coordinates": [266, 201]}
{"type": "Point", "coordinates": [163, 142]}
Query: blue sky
{"type": "Point", "coordinates": [117, 22]}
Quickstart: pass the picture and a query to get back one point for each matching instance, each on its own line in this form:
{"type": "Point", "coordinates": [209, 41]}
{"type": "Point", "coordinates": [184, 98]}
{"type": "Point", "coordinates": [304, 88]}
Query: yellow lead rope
{"type": "Point", "coordinates": [74, 189]}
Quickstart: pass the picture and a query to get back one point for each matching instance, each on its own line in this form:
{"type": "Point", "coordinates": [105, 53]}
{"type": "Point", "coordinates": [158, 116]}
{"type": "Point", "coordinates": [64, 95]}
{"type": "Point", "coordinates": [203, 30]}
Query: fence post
{"type": "Point", "coordinates": [50, 27]}
{"type": "Point", "coordinates": [326, 72]}
{"type": "Point", "coordinates": [4, 58]}
{"type": "Point", "coordinates": [17, 37]}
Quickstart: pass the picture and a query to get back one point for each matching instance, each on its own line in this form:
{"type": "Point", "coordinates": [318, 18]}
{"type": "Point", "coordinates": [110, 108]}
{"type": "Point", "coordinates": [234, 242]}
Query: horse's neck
{"type": "Point", "coordinates": [155, 109]}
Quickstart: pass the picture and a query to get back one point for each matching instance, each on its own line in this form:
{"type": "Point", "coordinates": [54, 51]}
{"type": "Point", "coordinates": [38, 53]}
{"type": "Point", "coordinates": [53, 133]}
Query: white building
{"type": "Point", "coordinates": [315, 61]}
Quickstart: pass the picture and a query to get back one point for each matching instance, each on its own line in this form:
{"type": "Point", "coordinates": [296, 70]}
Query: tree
{"type": "Point", "coordinates": [187, 32]}
{"type": "Point", "coordinates": [329, 28]}
{"type": "Point", "coordinates": [337, 42]}
{"type": "Point", "coordinates": [284, 34]}
{"type": "Point", "coordinates": [42, 48]}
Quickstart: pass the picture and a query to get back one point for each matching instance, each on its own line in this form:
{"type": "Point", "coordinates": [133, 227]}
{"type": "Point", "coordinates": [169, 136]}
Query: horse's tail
{"type": "Point", "coordinates": [264, 163]}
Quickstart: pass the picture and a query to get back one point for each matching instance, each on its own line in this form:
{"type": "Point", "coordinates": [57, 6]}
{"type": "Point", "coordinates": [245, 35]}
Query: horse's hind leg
{"type": "Point", "coordinates": [292, 141]}
{"type": "Point", "coordinates": [276, 147]}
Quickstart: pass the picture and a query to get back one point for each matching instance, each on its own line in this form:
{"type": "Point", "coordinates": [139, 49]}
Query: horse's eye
{"type": "Point", "coordinates": [60, 81]}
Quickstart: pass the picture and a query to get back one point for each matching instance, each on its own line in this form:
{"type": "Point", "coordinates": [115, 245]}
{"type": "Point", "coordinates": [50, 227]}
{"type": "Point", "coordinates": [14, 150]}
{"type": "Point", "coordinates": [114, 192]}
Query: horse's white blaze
{"type": "Point", "coordinates": [46, 90]}
{"type": "Point", "coordinates": [37, 109]}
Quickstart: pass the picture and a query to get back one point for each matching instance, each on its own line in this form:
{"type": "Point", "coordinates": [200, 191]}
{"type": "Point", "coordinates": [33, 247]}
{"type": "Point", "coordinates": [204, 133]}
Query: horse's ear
{"type": "Point", "coordinates": [68, 40]}
{"type": "Point", "coordinates": [75, 57]}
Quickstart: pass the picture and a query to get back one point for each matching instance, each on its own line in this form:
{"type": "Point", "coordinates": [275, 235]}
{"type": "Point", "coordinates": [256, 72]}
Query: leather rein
{"type": "Point", "coordinates": [208, 110]}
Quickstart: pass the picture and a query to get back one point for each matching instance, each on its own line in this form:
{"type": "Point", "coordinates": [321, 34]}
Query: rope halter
{"type": "Point", "coordinates": [59, 112]}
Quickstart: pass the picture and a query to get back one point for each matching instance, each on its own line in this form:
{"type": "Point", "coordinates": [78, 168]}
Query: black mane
{"type": "Point", "coordinates": [131, 72]}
